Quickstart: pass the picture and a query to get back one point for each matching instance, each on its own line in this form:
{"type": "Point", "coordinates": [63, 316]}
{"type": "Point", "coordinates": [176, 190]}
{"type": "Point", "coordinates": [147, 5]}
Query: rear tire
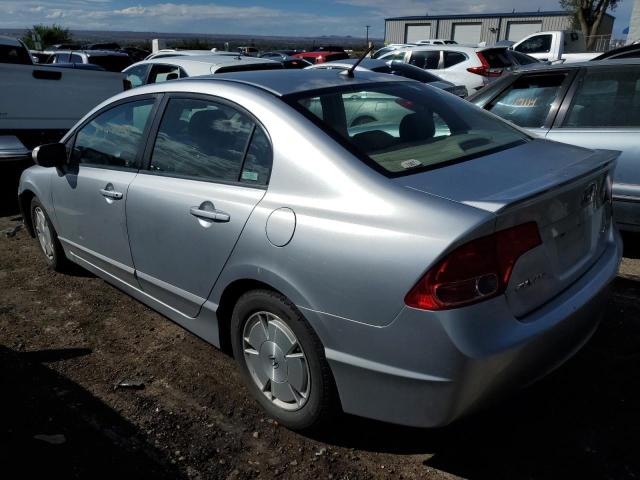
{"type": "Point", "coordinates": [282, 361]}
{"type": "Point", "coordinates": [48, 238]}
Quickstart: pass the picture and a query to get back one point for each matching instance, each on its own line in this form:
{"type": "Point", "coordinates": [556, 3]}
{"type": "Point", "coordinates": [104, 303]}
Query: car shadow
{"type": "Point", "coordinates": [53, 428]}
{"type": "Point", "coordinates": [631, 244]}
{"type": "Point", "coordinates": [582, 421]}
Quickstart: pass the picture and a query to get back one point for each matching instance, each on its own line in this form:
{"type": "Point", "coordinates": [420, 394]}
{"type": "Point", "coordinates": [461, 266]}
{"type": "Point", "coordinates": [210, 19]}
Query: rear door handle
{"type": "Point", "coordinates": [111, 194]}
{"type": "Point", "coordinates": [214, 215]}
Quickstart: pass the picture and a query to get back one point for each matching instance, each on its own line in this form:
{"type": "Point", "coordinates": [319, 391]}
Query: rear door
{"type": "Point", "coordinates": [208, 165]}
{"type": "Point", "coordinates": [603, 111]}
{"type": "Point", "coordinates": [531, 100]}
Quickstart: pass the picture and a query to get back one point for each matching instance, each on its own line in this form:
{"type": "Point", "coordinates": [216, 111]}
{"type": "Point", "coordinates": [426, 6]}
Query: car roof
{"type": "Point", "coordinates": [94, 53]}
{"type": "Point", "coordinates": [210, 59]}
{"type": "Point", "coordinates": [288, 82]}
{"type": "Point", "coordinates": [10, 41]}
{"type": "Point", "coordinates": [368, 63]}
{"type": "Point", "coordinates": [585, 64]}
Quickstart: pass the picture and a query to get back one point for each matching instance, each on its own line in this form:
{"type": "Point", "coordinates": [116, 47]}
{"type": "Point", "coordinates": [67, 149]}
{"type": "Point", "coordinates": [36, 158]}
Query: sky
{"type": "Point", "coordinates": [255, 17]}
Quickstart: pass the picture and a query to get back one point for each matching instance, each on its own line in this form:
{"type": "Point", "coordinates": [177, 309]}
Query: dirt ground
{"type": "Point", "coordinates": [66, 340]}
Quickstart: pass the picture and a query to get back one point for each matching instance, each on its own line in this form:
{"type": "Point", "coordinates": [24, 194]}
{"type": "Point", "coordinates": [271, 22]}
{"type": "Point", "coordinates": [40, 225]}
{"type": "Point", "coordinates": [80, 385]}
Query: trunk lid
{"type": "Point", "coordinates": [560, 187]}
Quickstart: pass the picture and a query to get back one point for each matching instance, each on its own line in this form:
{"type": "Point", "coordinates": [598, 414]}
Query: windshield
{"type": "Point", "coordinates": [402, 128]}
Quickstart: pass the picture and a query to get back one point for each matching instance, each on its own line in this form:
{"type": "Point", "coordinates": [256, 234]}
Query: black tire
{"type": "Point", "coordinates": [57, 260]}
{"type": "Point", "coordinates": [322, 403]}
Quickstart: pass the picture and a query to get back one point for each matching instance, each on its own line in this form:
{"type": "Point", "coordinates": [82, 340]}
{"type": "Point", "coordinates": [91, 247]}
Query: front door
{"type": "Point", "coordinates": [89, 198]}
{"type": "Point", "coordinates": [207, 170]}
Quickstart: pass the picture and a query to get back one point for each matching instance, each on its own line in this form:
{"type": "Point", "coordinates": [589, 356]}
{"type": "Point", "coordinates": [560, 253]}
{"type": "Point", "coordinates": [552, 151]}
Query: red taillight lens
{"type": "Point", "coordinates": [485, 70]}
{"type": "Point", "coordinates": [475, 271]}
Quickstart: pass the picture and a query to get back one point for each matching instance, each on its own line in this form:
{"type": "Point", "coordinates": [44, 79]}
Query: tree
{"type": "Point", "coordinates": [49, 35]}
{"type": "Point", "coordinates": [588, 15]}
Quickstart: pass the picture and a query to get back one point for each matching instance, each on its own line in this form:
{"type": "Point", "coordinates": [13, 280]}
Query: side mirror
{"type": "Point", "coordinates": [50, 155]}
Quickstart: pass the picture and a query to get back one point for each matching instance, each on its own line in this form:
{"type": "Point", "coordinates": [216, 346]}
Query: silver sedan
{"type": "Point", "coordinates": [408, 269]}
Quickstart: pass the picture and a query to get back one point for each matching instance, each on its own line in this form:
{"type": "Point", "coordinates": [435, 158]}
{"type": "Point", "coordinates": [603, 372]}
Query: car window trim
{"type": "Point", "coordinates": [557, 102]}
{"type": "Point", "coordinates": [145, 163]}
{"type": "Point", "coordinates": [577, 83]}
{"type": "Point", "coordinates": [145, 132]}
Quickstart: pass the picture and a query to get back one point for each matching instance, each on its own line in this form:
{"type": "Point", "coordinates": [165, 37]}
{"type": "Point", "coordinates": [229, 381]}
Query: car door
{"type": "Point", "coordinates": [89, 196]}
{"type": "Point", "coordinates": [531, 100]}
{"type": "Point", "coordinates": [206, 171]}
{"type": "Point", "coordinates": [603, 111]}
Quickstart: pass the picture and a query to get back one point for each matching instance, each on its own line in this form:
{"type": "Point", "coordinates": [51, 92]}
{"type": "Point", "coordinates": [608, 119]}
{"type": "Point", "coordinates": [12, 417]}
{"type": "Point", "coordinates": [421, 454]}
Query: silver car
{"type": "Point", "coordinates": [407, 275]}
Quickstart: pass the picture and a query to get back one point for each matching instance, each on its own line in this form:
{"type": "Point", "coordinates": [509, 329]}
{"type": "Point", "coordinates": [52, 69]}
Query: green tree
{"type": "Point", "coordinates": [49, 35]}
{"type": "Point", "coordinates": [588, 15]}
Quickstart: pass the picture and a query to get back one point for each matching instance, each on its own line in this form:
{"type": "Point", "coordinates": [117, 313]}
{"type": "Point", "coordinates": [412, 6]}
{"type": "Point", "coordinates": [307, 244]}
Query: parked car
{"type": "Point", "coordinates": [407, 277]}
{"type": "Point", "coordinates": [295, 63]}
{"type": "Point", "coordinates": [437, 41]}
{"type": "Point", "coordinates": [591, 104]}
{"type": "Point", "coordinates": [39, 103]}
{"type": "Point", "coordinates": [170, 52]}
{"type": "Point", "coordinates": [159, 70]}
{"type": "Point", "coordinates": [103, 46]}
{"type": "Point", "coordinates": [136, 54]}
{"type": "Point", "coordinates": [628, 51]}
{"type": "Point", "coordinates": [249, 51]}
{"type": "Point", "coordinates": [108, 60]}
{"type": "Point", "coordinates": [469, 66]}
{"type": "Point", "coordinates": [557, 46]}
{"type": "Point", "coordinates": [279, 54]}
{"type": "Point", "coordinates": [321, 56]}
{"type": "Point", "coordinates": [396, 68]}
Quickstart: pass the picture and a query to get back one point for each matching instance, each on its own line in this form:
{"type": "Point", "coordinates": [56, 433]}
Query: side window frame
{"type": "Point", "coordinates": [145, 164]}
{"type": "Point", "coordinates": [71, 140]}
{"type": "Point", "coordinates": [558, 102]}
{"type": "Point", "coordinates": [564, 110]}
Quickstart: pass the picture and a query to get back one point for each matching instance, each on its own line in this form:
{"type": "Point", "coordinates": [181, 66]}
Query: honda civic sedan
{"type": "Point", "coordinates": [410, 269]}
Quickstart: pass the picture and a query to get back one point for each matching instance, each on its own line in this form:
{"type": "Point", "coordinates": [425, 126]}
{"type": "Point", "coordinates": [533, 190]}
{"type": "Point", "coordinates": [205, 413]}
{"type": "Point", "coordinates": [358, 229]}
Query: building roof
{"type": "Point", "coordinates": [556, 13]}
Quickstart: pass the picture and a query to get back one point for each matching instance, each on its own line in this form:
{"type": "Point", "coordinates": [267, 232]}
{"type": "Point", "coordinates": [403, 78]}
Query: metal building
{"type": "Point", "coordinates": [634, 24]}
{"type": "Point", "coordinates": [485, 27]}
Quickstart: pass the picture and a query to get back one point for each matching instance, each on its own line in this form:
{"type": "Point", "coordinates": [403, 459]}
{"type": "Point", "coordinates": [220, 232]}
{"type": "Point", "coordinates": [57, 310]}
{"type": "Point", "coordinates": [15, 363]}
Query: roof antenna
{"type": "Point", "coordinates": [349, 72]}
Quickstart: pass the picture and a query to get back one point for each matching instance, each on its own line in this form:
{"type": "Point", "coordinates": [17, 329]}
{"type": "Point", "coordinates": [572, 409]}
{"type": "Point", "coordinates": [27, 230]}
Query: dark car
{"type": "Point", "coordinates": [592, 104]}
{"type": "Point", "coordinates": [628, 51]}
{"type": "Point", "coordinates": [108, 60]}
{"type": "Point", "coordinates": [102, 46]}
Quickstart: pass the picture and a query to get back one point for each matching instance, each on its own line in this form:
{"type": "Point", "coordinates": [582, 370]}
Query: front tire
{"type": "Point", "coordinates": [47, 237]}
{"type": "Point", "coordinates": [282, 361]}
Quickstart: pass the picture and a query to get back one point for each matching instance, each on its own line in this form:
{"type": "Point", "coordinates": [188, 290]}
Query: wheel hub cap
{"type": "Point", "coordinates": [43, 232]}
{"type": "Point", "coordinates": [276, 361]}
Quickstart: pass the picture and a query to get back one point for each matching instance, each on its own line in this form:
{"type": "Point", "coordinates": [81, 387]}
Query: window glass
{"type": "Point", "coordinates": [426, 59]}
{"type": "Point", "coordinates": [453, 58]}
{"type": "Point", "coordinates": [114, 138]}
{"type": "Point", "coordinates": [136, 75]}
{"type": "Point", "coordinates": [75, 58]}
{"type": "Point", "coordinates": [61, 58]}
{"type": "Point", "coordinates": [537, 44]}
{"type": "Point", "coordinates": [398, 56]}
{"type": "Point", "coordinates": [522, 58]}
{"type": "Point", "coordinates": [257, 165]}
{"type": "Point", "coordinates": [162, 73]}
{"type": "Point", "coordinates": [14, 54]}
{"type": "Point", "coordinates": [202, 139]}
{"type": "Point", "coordinates": [409, 126]}
{"type": "Point", "coordinates": [496, 57]}
{"type": "Point", "coordinates": [528, 100]}
{"type": "Point", "coordinates": [607, 98]}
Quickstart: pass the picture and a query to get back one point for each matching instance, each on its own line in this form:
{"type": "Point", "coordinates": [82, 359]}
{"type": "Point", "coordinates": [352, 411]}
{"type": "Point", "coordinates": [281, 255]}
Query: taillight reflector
{"type": "Point", "coordinates": [475, 271]}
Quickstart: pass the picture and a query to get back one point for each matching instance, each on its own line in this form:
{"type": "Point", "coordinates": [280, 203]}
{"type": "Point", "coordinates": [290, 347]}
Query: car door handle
{"type": "Point", "coordinates": [111, 194]}
{"type": "Point", "coordinates": [215, 215]}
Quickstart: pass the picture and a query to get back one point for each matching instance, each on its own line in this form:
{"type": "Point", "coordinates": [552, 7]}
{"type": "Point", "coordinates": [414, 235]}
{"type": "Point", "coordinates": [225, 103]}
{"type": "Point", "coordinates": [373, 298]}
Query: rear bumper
{"type": "Point", "coordinates": [427, 369]}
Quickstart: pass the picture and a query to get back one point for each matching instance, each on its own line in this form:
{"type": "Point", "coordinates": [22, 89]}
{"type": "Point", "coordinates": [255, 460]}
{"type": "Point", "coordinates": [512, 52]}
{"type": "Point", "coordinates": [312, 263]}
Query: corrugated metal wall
{"type": "Point", "coordinates": [395, 30]}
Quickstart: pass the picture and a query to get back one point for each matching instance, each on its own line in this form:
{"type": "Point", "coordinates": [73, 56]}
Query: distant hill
{"type": "Point", "coordinates": [210, 40]}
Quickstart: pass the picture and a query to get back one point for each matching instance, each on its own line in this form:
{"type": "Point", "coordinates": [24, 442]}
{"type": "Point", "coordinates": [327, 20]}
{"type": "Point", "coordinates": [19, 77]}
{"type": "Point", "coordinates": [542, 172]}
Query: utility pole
{"type": "Point", "coordinates": [367, 27]}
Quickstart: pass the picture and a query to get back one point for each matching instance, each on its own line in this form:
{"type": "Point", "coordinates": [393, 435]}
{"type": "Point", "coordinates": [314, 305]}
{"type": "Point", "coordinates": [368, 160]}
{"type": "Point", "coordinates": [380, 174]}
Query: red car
{"type": "Point", "coordinates": [322, 56]}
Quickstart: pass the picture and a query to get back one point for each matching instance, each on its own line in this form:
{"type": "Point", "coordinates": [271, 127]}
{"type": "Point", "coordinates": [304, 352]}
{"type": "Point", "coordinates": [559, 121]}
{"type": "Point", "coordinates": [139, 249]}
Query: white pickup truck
{"type": "Point", "coordinates": [555, 47]}
{"type": "Point", "coordinates": [38, 104]}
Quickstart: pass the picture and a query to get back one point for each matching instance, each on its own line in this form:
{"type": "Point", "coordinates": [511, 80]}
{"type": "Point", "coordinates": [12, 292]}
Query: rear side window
{"type": "Point", "coordinates": [453, 58]}
{"type": "Point", "coordinates": [537, 44]}
{"type": "Point", "coordinates": [427, 59]}
{"type": "Point", "coordinates": [406, 127]}
{"type": "Point", "coordinates": [14, 54]}
{"type": "Point", "coordinates": [210, 141]}
{"type": "Point", "coordinates": [397, 56]}
{"type": "Point", "coordinates": [607, 98]}
{"type": "Point", "coordinates": [113, 138]}
{"type": "Point", "coordinates": [163, 73]}
{"type": "Point", "coordinates": [528, 100]}
{"type": "Point", "coordinates": [75, 58]}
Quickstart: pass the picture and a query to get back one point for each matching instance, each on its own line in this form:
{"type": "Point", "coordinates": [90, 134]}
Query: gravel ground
{"type": "Point", "coordinates": [66, 340]}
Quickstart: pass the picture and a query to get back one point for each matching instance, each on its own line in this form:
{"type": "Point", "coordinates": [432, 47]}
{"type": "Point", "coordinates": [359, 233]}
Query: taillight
{"type": "Point", "coordinates": [485, 70]}
{"type": "Point", "coordinates": [475, 271]}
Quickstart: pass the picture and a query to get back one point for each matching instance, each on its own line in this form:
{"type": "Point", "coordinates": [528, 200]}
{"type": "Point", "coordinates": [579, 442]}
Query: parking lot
{"type": "Point", "coordinates": [66, 341]}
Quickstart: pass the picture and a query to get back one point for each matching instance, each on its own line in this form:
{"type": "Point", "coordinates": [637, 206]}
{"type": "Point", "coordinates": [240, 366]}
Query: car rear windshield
{"type": "Point", "coordinates": [406, 127]}
{"type": "Point", "coordinates": [497, 58]}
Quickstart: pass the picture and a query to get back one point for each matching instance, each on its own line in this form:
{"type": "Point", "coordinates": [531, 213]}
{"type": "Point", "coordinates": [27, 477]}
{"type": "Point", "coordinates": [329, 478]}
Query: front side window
{"type": "Point", "coordinates": [427, 59]}
{"type": "Point", "coordinates": [137, 75]}
{"type": "Point", "coordinates": [607, 98]}
{"type": "Point", "coordinates": [537, 44]}
{"type": "Point", "coordinates": [529, 99]}
{"type": "Point", "coordinates": [410, 127]}
{"type": "Point", "coordinates": [115, 137]}
{"type": "Point", "coordinates": [210, 141]}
